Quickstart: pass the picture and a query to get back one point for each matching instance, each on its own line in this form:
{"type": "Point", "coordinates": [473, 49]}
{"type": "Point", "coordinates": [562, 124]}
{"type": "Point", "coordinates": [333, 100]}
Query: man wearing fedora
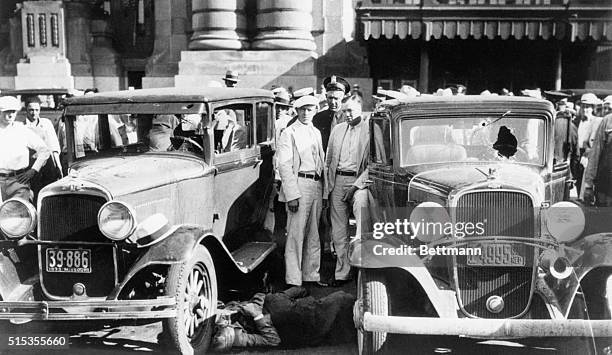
{"type": "Point", "coordinates": [16, 141]}
{"type": "Point", "coordinates": [336, 88]}
{"type": "Point", "coordinates": [231, 79]}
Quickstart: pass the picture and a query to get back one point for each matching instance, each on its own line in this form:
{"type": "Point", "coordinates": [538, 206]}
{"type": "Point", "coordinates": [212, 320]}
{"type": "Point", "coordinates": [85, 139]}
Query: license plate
{"type": "Point", "coordinates": [69, 260]}
{"type": "Point", "coordinates": [498, 255]}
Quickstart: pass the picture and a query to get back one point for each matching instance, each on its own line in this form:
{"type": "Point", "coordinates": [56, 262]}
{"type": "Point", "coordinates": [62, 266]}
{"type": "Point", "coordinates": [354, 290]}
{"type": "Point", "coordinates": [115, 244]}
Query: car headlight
{"type": "Point", "coordinates": [116, 220]}
{"type": "Point", "coordinates": [565, 221]}
{"type": "Point", "coordinates": [17, 218]}
{"type": "Point", "coordinates": [429, 221]}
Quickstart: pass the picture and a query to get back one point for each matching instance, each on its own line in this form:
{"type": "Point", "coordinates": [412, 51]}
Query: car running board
{"type": "Point", "coordinates": [251, 254]}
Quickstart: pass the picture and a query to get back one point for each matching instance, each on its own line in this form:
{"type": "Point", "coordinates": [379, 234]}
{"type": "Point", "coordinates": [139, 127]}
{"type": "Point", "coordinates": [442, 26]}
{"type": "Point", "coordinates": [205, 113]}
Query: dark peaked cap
{"type": "Point", "coordinates": [336, 83]}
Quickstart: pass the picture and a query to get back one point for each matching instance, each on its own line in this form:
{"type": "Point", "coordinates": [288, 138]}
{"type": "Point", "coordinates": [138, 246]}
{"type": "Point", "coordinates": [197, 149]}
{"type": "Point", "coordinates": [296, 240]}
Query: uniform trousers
{"type": "Point", "coordinates": [10, 187]}
{"type": "Point", "coordinates": [340, 213]}
{"type": "Point", "coordinates": [303, 250]}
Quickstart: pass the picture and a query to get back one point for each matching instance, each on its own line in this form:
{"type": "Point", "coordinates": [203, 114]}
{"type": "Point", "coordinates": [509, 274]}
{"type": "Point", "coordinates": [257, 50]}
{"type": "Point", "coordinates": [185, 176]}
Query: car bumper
{"type": "Point", "coordinates": [162, 307]}
{"type": "Point", "coordinates": [487, 328]}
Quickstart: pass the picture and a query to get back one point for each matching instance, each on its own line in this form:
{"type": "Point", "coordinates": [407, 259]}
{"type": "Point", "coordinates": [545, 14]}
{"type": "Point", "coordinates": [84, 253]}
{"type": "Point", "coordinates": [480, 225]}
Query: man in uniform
{"type": "Point", "coordinates": [300, 164]}
{"type": "Point", "coordinates": [15, 140]}
{"type": "Point", "coordinates": [336, 88]}
{"type": "Point", "coordinates": [346, 163]}
{"type": "Point", "coordinates": [43, 127]}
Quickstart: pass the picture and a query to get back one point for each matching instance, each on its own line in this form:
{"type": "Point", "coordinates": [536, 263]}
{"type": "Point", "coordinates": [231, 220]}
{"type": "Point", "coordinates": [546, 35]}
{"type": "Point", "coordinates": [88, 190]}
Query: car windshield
{"type": "Point", "coordinates": [472, 139]}
{"type": "Point", "coordinates": [99, 133]}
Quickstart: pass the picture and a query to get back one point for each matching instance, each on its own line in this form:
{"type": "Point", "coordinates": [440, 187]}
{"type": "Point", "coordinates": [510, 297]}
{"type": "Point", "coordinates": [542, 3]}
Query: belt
{"type": "Point", "coordinates": [346, 173]}
{"type": "Point", "coordinates": [315, 177]}
{"type": "Point", "coordinates": [14, 173]}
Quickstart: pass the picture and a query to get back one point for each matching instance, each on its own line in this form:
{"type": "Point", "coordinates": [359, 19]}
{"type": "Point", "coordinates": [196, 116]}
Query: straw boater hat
{"type": "Point", "coordinates": [152, 231]}
{"type": "Point", "coordinates": [9, 103]}
{"type": "Point", "coordinates": [306, 100]}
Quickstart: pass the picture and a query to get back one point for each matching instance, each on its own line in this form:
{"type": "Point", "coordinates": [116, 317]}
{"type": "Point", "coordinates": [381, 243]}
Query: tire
{"type": "Point", "coordinates": [190, 332]}
{"type": "Point", "coordinates": [372, 290]}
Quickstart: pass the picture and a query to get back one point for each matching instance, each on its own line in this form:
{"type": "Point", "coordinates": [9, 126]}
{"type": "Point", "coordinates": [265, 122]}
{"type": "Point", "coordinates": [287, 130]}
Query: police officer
{"type": "Point", "coordinates": [301, 166]}
{"type": "Point", "coordinates": [336, 88]}
{"type": "Point", "coordinates": [15, 142]}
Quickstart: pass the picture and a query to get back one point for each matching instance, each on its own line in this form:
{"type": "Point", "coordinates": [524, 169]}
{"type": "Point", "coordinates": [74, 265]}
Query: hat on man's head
{"type": "Point", "coordinates": [305, 101]}
{"type": "Point", "coordinates": [303, 92]}
{"type": "Point", "coordinates": [336, 83]}
{"type": "Point", "coordinates": [231, 75]}
{"type": "Point", "coordinates": [608, 100]}
{"type": "Point", "coordinates": [9, 103]}
{"type": "Point", "coordinates": [589, 99]}
{"type": "Point", "coordinates": [282, 97]}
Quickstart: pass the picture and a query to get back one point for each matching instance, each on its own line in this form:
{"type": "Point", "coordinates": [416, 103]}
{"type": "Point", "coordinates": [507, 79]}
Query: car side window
{"type": "Point", "coordinates": [263, 121]}
{"type": "Point", "coordinates": [233, 128]}
{"type": "Point", "coordinates": [380, 141]}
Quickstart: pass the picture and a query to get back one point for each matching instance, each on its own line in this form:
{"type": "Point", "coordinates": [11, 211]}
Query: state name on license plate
{"type": "Point", "coordinates": [68, 260]}
{"type": "Point", "coordinates": [498, 254]}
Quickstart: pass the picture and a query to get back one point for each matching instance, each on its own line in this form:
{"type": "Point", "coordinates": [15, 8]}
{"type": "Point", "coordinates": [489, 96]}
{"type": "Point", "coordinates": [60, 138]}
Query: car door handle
{"type": "Point", "coordinates": [257, 163]}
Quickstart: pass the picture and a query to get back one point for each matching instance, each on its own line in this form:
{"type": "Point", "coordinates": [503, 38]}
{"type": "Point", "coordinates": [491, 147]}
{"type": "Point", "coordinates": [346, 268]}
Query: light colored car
{"type": "Point", "coordinates": [152, 220]}
{"type": "Point", "coordinates": [471, 230]}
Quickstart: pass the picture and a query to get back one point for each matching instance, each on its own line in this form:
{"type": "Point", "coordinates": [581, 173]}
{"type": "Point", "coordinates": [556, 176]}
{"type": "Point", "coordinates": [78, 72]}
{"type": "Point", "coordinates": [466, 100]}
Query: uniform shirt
{"type": "Point", "coordinates": [306, 142]}
{"type": "Point", "coordinates": [348, 152]}
{"type": "Point", "coordinates": [15, 139]}
{"type": "Point", "coordinates": [44, 129]}
{"type": "Point", "coordinates": [325, 121]}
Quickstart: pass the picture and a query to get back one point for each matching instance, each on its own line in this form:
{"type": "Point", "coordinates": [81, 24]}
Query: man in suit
{"type": "Point", "coordinates": [234, 137]}
{"type": "Point", "coordinates": [301, 161]}
{"type": "Point", "coordinates": [336, 88]}
{"type": "Point", "coordinates": [346, 163]}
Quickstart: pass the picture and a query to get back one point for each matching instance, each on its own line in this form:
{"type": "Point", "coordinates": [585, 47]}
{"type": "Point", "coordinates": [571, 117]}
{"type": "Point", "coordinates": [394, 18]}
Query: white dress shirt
{"type": "Point", "coordinates": [306, 141]}
{"type": "Point", "coordinates": [15, 139]}
{"type": "Point", "coordinates": [348, 152]}
{"type": "Point", "coordinates": [44, 129]}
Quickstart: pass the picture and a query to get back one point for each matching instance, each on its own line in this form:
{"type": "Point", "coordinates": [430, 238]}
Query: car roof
{"type": "Point", "coordinates": [157, 95]}
{"type": "Point", "coordinates": [466, 102]}
{"type": "Point", "coordinates": [43, 91]}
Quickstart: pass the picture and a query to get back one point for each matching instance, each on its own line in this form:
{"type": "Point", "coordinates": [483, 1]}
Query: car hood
{"type": "Point", "coordinates": [502, 175]}
{"type": "Point", "coordinates": [128, 174]}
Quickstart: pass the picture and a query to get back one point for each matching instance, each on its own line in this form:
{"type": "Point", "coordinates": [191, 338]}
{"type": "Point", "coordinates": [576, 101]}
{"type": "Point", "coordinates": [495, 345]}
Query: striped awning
{"type": "Point", "coordinates": [579, 30]}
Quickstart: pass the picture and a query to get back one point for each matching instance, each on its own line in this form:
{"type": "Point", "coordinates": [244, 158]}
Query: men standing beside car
{"type": "Point", "coordinates": [598, 173]}
{"type": "Point", "coordinates": [347, 171]}
{"type": "Point", "coordinates": [336, 88]}
{"type": "Point", "coordinates": [587, 128]}
{"type": "Point", "coordinates": [301, 162]}
{"type": "Point", "coordinates": [43, 127]}
{"type": "Point", "coordinates": [15, 142]}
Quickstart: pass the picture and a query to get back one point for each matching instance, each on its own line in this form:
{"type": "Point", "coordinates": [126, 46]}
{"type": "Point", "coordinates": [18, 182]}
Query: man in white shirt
{"type": "Point", "coordinates": [301, 168]}
{"type": "Point", "coordinates": [15, 140]}
{"type": "Point", "coordinates": [347, 162]}
{"type": "Point", "coordinates": [43, 127]}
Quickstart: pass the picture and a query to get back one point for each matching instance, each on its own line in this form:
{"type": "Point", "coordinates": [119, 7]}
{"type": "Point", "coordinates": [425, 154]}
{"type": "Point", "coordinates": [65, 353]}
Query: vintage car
{"type": "Point", "coordinates": [159, 216]}
{"type": "Point", "coordinates": [507, 254]}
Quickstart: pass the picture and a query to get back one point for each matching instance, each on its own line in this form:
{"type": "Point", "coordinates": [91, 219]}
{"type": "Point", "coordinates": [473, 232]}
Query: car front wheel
{"type": "Point", "coordinates": [194, 285]}
{"type": "Point", "coordinates": [372, 291]}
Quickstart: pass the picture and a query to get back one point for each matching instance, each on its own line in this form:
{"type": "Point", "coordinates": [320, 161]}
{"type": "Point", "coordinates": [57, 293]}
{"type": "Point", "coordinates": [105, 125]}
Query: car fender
{"type": "Point", "coordinates": [596, 252]}
{"type": "Point", "coordinates": [9, 279]}
{"type": "Point", "coordinates": [177, 248]}
{"type": "Point", "coordinates": [362, 255]}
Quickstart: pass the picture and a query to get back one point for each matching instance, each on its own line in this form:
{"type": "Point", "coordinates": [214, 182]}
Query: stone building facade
{"type": "Point", "coordinates": [116, 44]}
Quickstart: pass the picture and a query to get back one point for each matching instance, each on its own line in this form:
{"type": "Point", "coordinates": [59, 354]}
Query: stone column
{"type": "Point", "coordinates": [106, 62]}
{"type": "Point", "coordinates": [78, 42]}
{"type": "Point", "coordinates": [44, 47]}
{"type": "Point", "coordinates": [284, 24]}
{"type": "Point", "coordinates": [558, 67]}
{"type": "Point", "coordinates": [424, 69]}
{"type": "Point", "coordinates": [218, 24]}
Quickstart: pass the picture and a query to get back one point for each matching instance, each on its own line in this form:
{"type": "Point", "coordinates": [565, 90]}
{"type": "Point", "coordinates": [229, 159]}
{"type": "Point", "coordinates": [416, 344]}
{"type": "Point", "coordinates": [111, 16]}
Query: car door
{"type": "Point", "coordinates": [241, 172]}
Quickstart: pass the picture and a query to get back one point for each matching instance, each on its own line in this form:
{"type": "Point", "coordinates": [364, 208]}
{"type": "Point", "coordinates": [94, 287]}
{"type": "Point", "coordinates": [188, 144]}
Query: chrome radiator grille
{"type": "Point", "coordinates": [504, 213]}
{"type": "Point", "coordinates": [71, 217]}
